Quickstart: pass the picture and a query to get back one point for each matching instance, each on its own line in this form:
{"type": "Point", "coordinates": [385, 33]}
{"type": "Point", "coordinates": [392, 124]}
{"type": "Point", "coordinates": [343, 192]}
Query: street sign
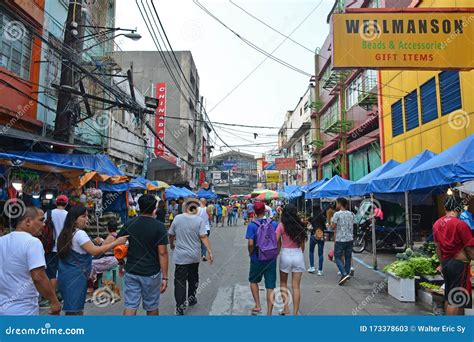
{"type": "Point", "coordinates": [160, 119]}
{"type": "Point", "coordinates": [285, 163]}
{"type": "Point", "coordinates": [273, 176]}
{"type": "Point", "coordinates": [429, 39]}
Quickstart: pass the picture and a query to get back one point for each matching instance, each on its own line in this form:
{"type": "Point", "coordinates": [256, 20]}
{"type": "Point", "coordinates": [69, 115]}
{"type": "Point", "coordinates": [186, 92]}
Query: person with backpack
{"type": "Point", "coordinates": [53, 227]}
{"type": "Point", "coordinates": [263, 252]}
{"type": "Point", "coordinates": [318, 223]}
{"type": "Point", "coordinates": [291, 237]}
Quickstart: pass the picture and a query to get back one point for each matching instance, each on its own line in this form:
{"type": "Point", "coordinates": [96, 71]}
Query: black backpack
{"type": "Point", "coordinates": [48, 237]}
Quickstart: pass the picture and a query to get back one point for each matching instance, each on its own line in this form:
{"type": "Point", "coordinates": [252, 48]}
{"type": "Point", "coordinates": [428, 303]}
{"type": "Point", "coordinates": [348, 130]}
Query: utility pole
{"type": "Point", "coordinates": [67, 109]}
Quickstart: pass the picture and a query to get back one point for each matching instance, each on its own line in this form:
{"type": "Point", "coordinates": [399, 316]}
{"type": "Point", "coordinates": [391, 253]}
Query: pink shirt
{"type": "Point", "coordinates": [286, 240]}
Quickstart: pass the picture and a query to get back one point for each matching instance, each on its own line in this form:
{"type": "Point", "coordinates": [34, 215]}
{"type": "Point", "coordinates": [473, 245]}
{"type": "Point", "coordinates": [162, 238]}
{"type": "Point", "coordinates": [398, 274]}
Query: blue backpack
{"type": "Point", "coordinates": [266, 241]}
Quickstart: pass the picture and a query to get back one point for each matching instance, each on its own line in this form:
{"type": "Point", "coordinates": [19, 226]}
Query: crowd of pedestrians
{"type": "Point", "coordinates": [59, 266]}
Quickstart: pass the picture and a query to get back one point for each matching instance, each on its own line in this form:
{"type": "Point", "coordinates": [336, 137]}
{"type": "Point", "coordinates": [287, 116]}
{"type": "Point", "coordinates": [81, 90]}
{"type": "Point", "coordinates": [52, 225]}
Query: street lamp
{"type": "Point", "coordinates": [131, 34]}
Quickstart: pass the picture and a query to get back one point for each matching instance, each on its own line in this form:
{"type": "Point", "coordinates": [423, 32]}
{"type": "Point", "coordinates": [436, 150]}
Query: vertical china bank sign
{"type": "Point", "coordinates": [160, 119]}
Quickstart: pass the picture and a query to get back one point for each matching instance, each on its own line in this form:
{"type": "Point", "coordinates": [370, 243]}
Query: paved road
{"type": "Point", "coordinates": [224, 289]}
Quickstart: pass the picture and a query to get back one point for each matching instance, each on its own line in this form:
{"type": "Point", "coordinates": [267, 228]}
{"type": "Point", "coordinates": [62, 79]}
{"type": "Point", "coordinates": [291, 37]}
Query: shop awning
{"type": "Point", "coordinates": [292, 191]}
{"type": "Point", "coordinates": [308, 187]}
{"type": "Point", "coordinates": [456, 164]}
{"type": "Point", "coordinates": [207, 194]}
{"type": "Point", "coordinates": [335, 187]}
{"type": "Point", "coordinates": [361, 187]}
{"type": "Point", "coordinates": [391, 181]}
{"type": "Point", "coordinates": [467, 188]}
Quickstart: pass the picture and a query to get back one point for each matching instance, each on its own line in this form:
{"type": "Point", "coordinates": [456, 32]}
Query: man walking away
{"type": "Point", "coordinates": [186, 234]}
{"type": "Point", "coordinates": [261, 266]}
{"type": "Point", "coordinates": [343, 225]}
{"type": "Point", "coordinates": [146, 269]}
{"type": "Point", "coordinates": [203, 214]}
{"type": "Point", "coordinates": [454, 243]}
{"type": "Point", "coordinates": [23, 268]}
{"type": "Point", "coordinates": [58, 216]}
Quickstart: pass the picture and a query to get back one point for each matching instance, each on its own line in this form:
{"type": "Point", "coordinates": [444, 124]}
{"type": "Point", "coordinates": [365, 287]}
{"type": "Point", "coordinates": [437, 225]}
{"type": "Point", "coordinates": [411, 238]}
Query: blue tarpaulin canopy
{"type": "Point", "coordinates": [361, 187]}
{"type": "Point", "coordinates": [207, 194]}
{"type": "Point", "coordinates": [104, 186]}
{"type": "Point", "coordinates": [335, 187]}
{"type": "Point", "coordinates": [391, 181]}
{"type": "Point", "coordinates": [88, 162]}
{"type": "Point", "coordinates": [456, 164]}
{"type": "Point", "coordinates": [187, 192]}
{"type": "Point", "coordinates": [292, 191]}
{"type": "Point", "coordinates": [308, 187]}
{"type": "Point", "coordinates": [174, 192]}
{"type": "Point", "coordinates": [138, 183]}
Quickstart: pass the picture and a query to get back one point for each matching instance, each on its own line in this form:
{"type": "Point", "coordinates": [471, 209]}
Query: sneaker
{"type": "Point", "coordinates": [192, 302]}
{"type": "Point", "coordinates": [204, 259]}
{"type": "Point", "coordinates": [352, 272]}
{"type": "Point", "coordinates": [344, 279]}
{"type": "Point", "coordinates": [311, 270]}
{"type": "Point", "coordinates": [179, 312]}
{"type": "Point", "coordinates": [338, 273]}
{"type": "Point", "coordinates": [320, 273]}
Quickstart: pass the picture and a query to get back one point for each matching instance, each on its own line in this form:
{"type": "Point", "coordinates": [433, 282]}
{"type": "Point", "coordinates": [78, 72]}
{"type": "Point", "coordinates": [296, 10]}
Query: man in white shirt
{"type": "Point", "coordinates": [58, 216]}
{"type": "Point", "coordinates": [203, 214]}
{"type": "Point", "coordinates": [23, 268]}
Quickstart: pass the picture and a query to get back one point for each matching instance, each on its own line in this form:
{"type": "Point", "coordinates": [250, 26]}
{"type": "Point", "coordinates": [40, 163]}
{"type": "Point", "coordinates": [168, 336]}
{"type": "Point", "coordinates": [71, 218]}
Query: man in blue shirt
{"type": "Point", "coordinates": [218, 213]}
{"type": "Point", "coordinates": [260, 269]}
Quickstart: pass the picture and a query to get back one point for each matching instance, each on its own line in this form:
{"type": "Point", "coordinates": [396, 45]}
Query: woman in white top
{"type": "Point", "coordinates": [75, 251]}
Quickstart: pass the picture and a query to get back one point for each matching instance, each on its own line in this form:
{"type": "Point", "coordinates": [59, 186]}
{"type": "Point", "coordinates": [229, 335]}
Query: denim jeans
{"type": "Point", "coordinates": [230, 218]}
{"type": "Point", "coordinates": [312, 245]}
{"type": "Point", "coordinates": [203, 248]}
{"type": "Point", "coordinates": [340, 249]}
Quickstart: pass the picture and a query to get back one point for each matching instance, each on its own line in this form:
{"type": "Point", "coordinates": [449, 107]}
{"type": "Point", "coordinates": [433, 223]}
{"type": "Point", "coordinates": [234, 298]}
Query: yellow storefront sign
{"type": "Point", "coordinates": [420, 40]}
{"type": "Point", "coordinates": [273, 176]}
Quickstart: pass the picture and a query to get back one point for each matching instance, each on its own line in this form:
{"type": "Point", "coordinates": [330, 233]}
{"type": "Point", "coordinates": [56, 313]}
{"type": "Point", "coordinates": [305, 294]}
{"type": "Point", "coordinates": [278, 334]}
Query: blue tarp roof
{"type": "Point", "coordinates": [207, 194]}
{"type": "Point", "coordinates": [187, 192]}
{"type": "Point", "coordinates": [139, 183]}
{"type": "Point", "coordinates": [311, 186]}
{"type": "Point", "coordinates": [456, 164]}
{"type": "Point", "coordinates": [335, 187]}
{"type": "Point", "coordinates": [174, 192]}
{"type": "Point", "coordinates": [390, 181]}
{"type": "Point", "coordinates": [361, 186]}
{"type": "Point", "coordinates": [292, 191]}
{"type": "Point", "coordinates": [104, 186]}
{"type": "Point", "coordinates": [89, 162]}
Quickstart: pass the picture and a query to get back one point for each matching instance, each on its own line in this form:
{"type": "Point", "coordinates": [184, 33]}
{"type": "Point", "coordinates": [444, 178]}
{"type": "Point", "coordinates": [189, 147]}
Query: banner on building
{"type": "Point", "coordinates": [285, 163]}
{"type": "Point", "coordinates": [230, 165]}
{"type": "Point", "coordinates": [216, 176]}
{"type": "Point", "coordinates": [160, 114]}
{"type": "Point", "coordinates": [272, 176]}
{"type": "Point", "coordinates": [412, 39]}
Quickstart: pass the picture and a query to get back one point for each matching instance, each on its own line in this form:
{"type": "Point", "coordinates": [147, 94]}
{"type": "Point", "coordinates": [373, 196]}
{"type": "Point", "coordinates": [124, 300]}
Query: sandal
{"type": "Point", "coordinates": [283, 313]}
{"type": "Point", "coordinates": [256, 312]}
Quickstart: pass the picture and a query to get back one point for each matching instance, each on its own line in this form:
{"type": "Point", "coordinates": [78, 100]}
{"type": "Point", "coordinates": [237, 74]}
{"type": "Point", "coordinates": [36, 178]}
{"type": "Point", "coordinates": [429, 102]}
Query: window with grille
{"type": "Point", "coordinates": [411, 110]}
{"type": "Point", "coordinates": [397, 118]}
{"type": "Point", "coordinates": [15, 49]}
{"type": "Point", "coordinates": [450, 91]}
{"type": "Point", "coordinates": [429, 103]}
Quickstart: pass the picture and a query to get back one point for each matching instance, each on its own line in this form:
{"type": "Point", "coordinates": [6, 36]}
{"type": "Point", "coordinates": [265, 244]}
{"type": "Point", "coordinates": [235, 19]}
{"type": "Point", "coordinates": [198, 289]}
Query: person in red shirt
{"type": "Point", "coordinates": [454, 242]}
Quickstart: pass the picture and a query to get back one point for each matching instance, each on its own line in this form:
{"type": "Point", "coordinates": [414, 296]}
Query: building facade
{"type": "Point", "coordinates": [233, 172]}
{"type": "Point", "coordinates": [422, 110]}
{"type": "Point", "coordinates": [294, 141]}
{"type": "Point", "coordinates": [183, 111]}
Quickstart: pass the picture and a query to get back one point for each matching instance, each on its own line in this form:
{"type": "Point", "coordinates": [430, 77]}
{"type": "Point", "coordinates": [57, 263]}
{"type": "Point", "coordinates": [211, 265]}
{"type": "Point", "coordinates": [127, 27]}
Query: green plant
{"type": "Point", "coordinates": [422, 265]}
{"type": "Point", "coordinates": [430, 286]}
{"type": "Point", "coordinates": [401, 269]}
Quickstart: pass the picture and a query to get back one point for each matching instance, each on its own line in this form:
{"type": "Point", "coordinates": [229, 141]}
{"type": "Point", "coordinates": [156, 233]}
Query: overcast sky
{"type": "Point", "coordinates": [223, 60]}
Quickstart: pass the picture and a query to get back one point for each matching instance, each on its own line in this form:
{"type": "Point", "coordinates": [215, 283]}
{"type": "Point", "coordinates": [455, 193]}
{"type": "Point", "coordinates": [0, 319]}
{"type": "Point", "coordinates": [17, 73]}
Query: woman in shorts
{"type": "Point", "coordinates": [291, 236]}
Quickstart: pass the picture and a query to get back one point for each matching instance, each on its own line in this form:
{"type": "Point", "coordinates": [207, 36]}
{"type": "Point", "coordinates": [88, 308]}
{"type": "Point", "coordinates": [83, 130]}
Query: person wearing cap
{"type": "Point", "coordinates": [58, 216]}
{"type": "Point", "coordinates": [260, 269]}
{"type": "Point", "coordinates": [454, 243]}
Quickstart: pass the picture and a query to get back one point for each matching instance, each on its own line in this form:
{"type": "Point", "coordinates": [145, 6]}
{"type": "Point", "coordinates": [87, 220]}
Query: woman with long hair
{"type": "Point", "coordinates": [75, 251]}
{"type": "Point", "coordinates": [291, 235]}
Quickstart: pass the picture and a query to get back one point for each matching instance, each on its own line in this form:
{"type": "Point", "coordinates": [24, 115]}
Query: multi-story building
{"type": "Point", "coordinates": [294, 141]}
{"type": "Point", "coordinates": [425, 109]}
{"type": "Point", "coordinates": [233, 173]}
{"type": "Point", "coordinates": [182, 110]}
{"type": "Point", "coordinates": [345, 114]}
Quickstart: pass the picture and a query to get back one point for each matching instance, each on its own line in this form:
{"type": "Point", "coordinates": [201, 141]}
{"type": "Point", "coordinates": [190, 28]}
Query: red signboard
{"type": "Point", "coordinates": [285, 163]}
{"type": "Point", "coordinates": [160, 119]}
